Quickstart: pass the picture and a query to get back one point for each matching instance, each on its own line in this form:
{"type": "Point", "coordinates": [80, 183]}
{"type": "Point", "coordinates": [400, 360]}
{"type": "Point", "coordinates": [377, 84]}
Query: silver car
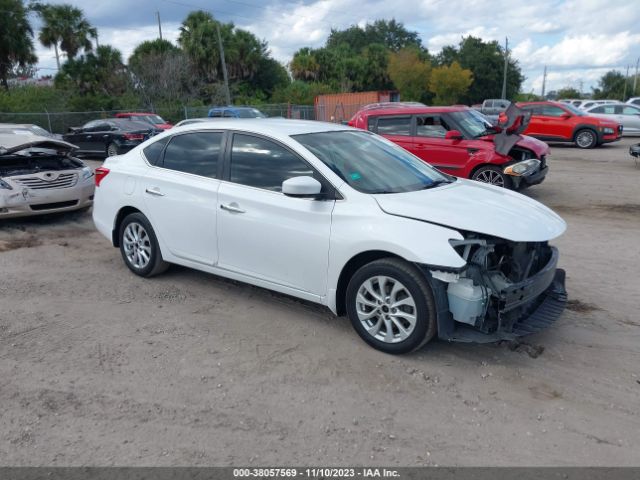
{"type": "Point", "coordinates": [624, 113]}
{"type": "Point", "coordinates": [39, 175]}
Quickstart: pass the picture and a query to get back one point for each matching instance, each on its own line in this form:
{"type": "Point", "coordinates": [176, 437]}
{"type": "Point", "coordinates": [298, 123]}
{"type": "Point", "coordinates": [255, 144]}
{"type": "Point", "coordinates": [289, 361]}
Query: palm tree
{"type": "Point", "coordinates": [65, 28]}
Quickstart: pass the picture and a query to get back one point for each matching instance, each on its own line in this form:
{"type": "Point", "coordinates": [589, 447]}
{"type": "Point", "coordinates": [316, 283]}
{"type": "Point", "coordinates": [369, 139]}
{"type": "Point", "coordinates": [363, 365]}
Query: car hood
{"type": "Point", "coordinates": [10, 144]}
{"type": "Point", "coordinates": [477, 207]}
{"type": "Point", "coordinates": [536, 146]}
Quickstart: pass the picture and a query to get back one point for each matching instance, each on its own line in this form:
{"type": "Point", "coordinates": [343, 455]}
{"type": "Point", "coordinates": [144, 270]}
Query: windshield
{"type": "Point", "coordinates": [371, 164]}
{"type": "Point", "coordinates": [251, 113]}
{"type": "Point", "coordinates": [472, 123]}
{"type": "Point", "coordinates": [574, 110]}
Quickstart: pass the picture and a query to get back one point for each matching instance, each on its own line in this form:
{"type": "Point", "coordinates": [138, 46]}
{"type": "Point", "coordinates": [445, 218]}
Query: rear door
{"type": "Point", "coordinates": [396, 128]}
{"type": "Point", "coordinates": [429, 144]}
{"type": "Point", "coordinates": [263, 233]}
{"type": "Point", "coordinates": [181, 194]}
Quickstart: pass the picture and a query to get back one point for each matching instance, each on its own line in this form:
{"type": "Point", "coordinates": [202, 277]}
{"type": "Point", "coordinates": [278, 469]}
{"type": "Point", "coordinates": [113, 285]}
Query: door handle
{"type": "Point", "coordinates": [154, 191]}
{"type": "Point", "coordinates": [232, 207]}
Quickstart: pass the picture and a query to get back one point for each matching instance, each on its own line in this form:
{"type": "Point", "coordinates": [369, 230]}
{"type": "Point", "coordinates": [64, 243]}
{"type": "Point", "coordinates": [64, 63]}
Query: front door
{"type": "Point", "coordinates": [264, 233]}
{"type": "Point", "coordinates": [448, 155]}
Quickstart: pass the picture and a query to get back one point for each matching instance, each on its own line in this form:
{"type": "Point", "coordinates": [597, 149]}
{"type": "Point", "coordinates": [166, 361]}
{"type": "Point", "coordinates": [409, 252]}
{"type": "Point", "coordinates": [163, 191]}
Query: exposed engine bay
{"type": "Point", "coordinates": [17, 164]}
{"type": "Point", "coordinates": [503, 283]}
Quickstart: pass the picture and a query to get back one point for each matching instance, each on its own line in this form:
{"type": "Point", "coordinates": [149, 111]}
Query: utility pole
{"type": "Point", "coordinates": [224, 65]}
{"type": "Point", "coordinates": [506, 65]}
{"type": "Point", "coordinates": [624, 94]}
{"type": "Point", "coordinates": [159, 23]}
{"type": "Point", "coordinates": [544, 80]}
{"type": "Point", "coordinates": [97, 40]}
{"type": "Point", "coordinates": [635, 78]}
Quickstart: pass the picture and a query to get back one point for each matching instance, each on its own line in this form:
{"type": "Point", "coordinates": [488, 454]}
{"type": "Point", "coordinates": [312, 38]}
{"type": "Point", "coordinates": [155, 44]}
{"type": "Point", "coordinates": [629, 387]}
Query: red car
{"type": "Point", "coordinates": [562, 122]}
{"type": "Point", "coordinates": [156, 120]}
{"type": "Point", "coordinates": [459, 141]}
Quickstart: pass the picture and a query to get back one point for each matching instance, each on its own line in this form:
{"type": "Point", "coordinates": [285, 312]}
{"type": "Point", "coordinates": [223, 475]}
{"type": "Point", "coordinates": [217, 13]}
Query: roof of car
{"type": "Point", "coordinates": [17, 125]}
{"type": "Point", "coordinates": [134, 114]}
{"type": "Point", "coordinates": [274, 127]}
{"type": "Point", "coordinates": [409, 110]}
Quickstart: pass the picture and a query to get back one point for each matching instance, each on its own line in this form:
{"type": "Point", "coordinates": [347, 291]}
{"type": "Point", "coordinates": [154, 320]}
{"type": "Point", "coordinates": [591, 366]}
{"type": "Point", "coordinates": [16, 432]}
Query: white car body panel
{"type": "Point", "coordinates": [300, 246]}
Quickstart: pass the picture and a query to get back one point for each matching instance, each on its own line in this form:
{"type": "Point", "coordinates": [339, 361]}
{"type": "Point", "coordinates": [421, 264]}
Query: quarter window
{"type": "Point", "coordinates": [260, 163]}
{"type": "Point", "coordinates": [196, 153]}
{"type": "Point", "coordinates": [394, 125]}
{"type": "Point", "coordinates": [153, 152]}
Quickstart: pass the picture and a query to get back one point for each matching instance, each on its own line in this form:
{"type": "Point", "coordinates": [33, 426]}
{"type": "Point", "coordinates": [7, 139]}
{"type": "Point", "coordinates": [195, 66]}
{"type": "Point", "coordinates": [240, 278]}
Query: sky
{"type": "Point", "coordinates": [578, 40]}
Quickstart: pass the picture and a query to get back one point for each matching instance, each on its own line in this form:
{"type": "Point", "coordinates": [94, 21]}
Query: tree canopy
{"type": "Point", "coordinates": [16, 39]}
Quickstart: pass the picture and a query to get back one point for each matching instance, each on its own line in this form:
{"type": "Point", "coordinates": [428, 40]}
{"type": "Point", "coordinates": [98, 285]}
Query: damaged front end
{"type": "Point", "coordinates": [508, 289]}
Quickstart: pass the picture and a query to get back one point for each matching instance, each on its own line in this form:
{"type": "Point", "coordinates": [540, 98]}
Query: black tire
{"type": "Point", "coordinates": [493, 175]}
{"type": "Point", "coordinates": [112, 150]}
{"type": "Point", "coordinates": [416, 288]}
{"type": "Point", "coordinates": [155, 264]}
{"type": "Point", "coordinates": [585, 138]}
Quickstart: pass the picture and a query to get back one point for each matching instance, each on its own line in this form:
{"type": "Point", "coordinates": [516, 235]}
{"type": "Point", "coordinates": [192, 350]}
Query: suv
{"type": "Point", "coordinates": [459, 141]}
{"type": "Point", "coordinates": [561, 122]}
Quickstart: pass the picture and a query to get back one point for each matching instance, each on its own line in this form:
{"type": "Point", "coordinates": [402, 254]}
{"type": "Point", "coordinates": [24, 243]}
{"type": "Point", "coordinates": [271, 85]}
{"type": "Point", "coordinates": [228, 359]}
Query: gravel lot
{"type": "Point", "coordinates": [100, 367]}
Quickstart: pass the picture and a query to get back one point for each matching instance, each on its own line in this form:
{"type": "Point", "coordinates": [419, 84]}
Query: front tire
{"type": "Point", "coordinates": [391, 306]}
{"type": "Point", "coordinates": [492, 175]}
{"type": "Point", "coordinates": [139, 246]}
{"type": "Point", "coordinates": [586, 138]}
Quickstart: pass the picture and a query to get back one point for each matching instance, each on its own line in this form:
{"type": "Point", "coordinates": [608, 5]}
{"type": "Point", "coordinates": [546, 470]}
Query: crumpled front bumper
{"type": "Point", "coordinates": [22, 202]}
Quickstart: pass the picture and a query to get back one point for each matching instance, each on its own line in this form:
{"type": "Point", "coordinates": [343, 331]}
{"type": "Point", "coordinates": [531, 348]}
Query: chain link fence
{"type": "Point", "coordinates": [60, 122]}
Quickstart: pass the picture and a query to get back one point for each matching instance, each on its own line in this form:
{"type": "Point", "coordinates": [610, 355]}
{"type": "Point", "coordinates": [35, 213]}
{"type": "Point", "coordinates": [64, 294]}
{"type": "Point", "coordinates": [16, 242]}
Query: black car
{"type": "Point", "coordinates": [110, 136]}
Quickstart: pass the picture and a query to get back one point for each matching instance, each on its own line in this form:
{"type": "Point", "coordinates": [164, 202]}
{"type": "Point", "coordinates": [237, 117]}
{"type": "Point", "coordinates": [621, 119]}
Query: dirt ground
{"type": "Point", "coordinates": [100, 367]}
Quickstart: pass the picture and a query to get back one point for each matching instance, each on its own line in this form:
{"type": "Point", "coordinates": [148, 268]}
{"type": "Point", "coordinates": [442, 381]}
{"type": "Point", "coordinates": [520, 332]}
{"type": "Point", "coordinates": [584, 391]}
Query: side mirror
{"type": "Point", "coordinates": [453, 135]}
{"type": "Point", "coordinates": [301, 187]}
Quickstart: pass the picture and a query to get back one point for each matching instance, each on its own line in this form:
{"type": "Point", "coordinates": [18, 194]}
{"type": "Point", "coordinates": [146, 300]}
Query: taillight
{"type": "Point", "coordinates": [101, 172]}
{"type": "Point", "coordinates": [133, 136]}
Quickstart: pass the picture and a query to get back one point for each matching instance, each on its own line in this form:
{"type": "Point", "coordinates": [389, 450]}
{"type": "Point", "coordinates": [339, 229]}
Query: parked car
{"type": "Point", "coordinates": [590, 103]}
{"type": "Point", "coordinates": [458, 141]}
{"type": "Point", "coordinates": [340, 217]}
{"type": "Point", "coordinates": [560, 122]}
{"type": "Point", "coordinates": [190, 121]}
{"type": "Point", "coordinates": [26, 129]}
{"type": "Point", "coordinates": [154, 119]}
{"type": "Point", "coordinates": [493, 107]}
{"type": "Point", "coordinates": [236, 112]}
{"type": "Point", "coordinates": [39, 175]}
{"type": "Point", "coordinates": [111, 136]}
{"type": "Point", "coordinates": [625, 114]}
{"type": "Point", "coordinates": [634, 101]}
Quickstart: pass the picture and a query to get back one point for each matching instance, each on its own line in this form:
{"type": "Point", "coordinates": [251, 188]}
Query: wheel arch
{"type": "Point", "coordinates": [585, 126]}
{"type": "Point", "coordinates": [120, 216]}
{"type": "Point", "coordinates": [352, 267]}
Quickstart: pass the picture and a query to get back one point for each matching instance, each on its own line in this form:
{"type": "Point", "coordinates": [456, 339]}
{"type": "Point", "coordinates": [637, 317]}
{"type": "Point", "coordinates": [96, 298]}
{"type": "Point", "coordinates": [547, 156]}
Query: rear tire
{"type": "Point", "coordinates": [585, 138]}
{"type": "Point", "coordinates": [139, 246]}
{"type": "Point", "coordinates": [492, 175]}
{"type": "Point", "coordinates": [112, 150]}
{"type": "Point", "coordinates": [391, 306]}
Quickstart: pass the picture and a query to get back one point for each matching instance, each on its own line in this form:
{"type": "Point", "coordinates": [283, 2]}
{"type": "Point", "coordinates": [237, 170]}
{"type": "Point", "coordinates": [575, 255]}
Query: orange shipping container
{"type": "Point", "coordinates": [340, 107]}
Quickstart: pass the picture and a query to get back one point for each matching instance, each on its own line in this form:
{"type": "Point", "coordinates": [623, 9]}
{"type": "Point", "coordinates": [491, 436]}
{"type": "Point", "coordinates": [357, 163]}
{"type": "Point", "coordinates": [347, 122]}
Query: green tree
{"type": "Point", "coordinates": [304, 65]}
{"type": "Point", "coordinates": [449, 83]}
{"type": "Point", "coordinates": [569, 92]}
{"type": "Point", "coordinates": [410, 73]}
{"type": "Point", "coordinates": [610, 85]}
{"type": "Point", "coordinates": [393, 35]}
{"type": "Point", "coordinates": [486, 62]}
{"type": "Point", "coordinates": [300, 93]}
{"type": "Point", "coordinates": [66, 28]}
{"type": "Point", "coordinates": [16, 39]}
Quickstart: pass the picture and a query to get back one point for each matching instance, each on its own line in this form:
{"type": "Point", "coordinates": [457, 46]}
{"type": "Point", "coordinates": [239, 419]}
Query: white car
{"type": "Point", "coordinates": [341, 217]}
{"type": "Point", "coordinates": [626, 114]}
{"type": "Point", "coordinates": [39, 175]}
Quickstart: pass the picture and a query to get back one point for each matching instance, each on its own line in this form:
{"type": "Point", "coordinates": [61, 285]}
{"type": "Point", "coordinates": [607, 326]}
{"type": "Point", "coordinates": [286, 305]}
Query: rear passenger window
{"type": "Point", "coordinates": [394, 125]}
{"type": "Point", "coordinates": [260, 163]}
{"type": "Point", "coordinates": [195, 153]}
{"type": "Point", "coordinates": [153, 152]}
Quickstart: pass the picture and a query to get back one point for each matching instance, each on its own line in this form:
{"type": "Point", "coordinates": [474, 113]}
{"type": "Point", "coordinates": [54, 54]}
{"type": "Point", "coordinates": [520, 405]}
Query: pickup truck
{"type": "Point", "coordinates": [492, 107]}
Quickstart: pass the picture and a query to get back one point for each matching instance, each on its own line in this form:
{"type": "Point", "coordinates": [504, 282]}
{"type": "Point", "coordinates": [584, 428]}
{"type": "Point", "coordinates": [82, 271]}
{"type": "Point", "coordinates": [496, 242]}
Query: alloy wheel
{"type": "Point", "coordinates": [112, 150]}
{"type": "Point", "coordinates": [137, 245]}
{"type": "Point", "coordinates": [490, 176]}
{"type": "Point", "coordinates": [386, 309]}
{"type": "Point", "coordinates": [585, 139]}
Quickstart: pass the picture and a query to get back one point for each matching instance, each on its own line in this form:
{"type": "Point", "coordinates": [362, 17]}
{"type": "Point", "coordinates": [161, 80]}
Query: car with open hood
{"type": "Point", "coordinates": [460, 141]}
{"type": "Point", "coordinates": [341, 217]}
{"type": "Point", "coordinates": [40, 175]}
{"type": "Point", "coordinates": [109, 136]}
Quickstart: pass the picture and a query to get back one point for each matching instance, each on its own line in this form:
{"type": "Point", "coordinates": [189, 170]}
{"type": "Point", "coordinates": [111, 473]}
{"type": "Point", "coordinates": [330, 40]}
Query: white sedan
{"type": "Point", "coordinates": [341, 217]}
{"type": "Point", "coordinates": [625, 114]}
